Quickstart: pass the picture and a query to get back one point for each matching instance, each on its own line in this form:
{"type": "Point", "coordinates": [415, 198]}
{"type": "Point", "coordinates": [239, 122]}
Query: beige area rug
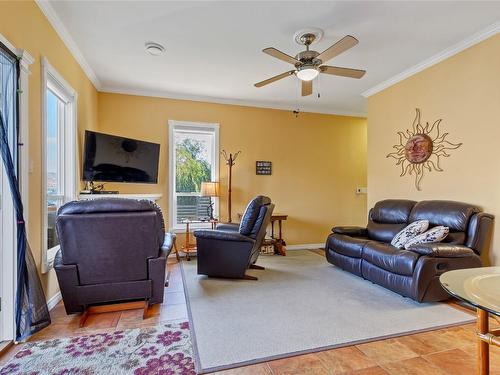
{"type": "Point", "coordinates": [300, 304]}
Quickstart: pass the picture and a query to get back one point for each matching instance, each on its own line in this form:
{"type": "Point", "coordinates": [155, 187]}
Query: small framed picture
{"type": "Point", "coordinates": [263, 167]}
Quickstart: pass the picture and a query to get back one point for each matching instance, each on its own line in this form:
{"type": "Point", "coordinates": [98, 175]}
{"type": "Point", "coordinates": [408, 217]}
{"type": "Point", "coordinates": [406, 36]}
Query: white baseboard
{"type": "Point", "coordinates": [306, 246]}
{"type": "Point", "coordinates": [51, 303]}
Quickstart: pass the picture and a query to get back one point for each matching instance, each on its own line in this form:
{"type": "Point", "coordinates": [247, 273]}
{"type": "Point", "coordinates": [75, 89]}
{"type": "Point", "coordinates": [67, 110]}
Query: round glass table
{"type": "Point", "coordinates": [479, 287]}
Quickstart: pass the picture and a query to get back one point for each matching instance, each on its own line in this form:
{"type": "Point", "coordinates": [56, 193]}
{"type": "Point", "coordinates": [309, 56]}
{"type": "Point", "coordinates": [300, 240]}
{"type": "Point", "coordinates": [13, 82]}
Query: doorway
{"type": "Point", "coordinates": [7, 259]}
{"type": "Point", "coordinates": [9, 68]}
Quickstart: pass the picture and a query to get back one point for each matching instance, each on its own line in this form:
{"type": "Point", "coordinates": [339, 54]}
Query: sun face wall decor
{"type": "Point", "coordinates": [421, 148]}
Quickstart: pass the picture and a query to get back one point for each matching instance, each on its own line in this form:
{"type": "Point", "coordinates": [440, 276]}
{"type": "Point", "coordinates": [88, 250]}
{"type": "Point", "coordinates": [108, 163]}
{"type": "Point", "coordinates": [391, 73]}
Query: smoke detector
{"type": "Point", "coordinates": [154, 49]}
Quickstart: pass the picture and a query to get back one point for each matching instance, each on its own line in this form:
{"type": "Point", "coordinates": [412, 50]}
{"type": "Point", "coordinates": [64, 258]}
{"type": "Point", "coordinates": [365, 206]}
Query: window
{"type": "Point", "coordinates": [59, 154]}
{"type": "Point", "coordinates": [194, 156]}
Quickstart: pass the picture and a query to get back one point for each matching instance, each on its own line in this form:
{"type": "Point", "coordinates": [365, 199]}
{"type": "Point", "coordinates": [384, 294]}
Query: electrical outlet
{"type": "Point", "coordinates": [361, 190]}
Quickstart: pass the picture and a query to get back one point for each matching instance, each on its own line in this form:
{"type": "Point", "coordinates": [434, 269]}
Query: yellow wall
{"type": "Point", "coordinates": [464, 91]}
{"type": "Point", "coordinates": [318, 160]}
{"type": "Point", "coordinates": [25, 26]}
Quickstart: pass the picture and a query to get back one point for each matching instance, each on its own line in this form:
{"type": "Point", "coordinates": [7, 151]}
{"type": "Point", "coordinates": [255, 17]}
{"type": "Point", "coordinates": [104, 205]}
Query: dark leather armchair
{"type": "Point", "coordinates": [112, 250]}
{"type": "Point", "coordinates": [229, 250]}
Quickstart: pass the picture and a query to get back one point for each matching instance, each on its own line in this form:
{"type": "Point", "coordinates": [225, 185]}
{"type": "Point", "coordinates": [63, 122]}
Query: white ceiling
{"type": "Point", "coordinates": [213, 49]}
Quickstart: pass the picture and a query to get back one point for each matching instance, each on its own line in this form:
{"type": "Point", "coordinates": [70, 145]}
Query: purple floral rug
{"type": "Point", "coordinates": [160, 350]}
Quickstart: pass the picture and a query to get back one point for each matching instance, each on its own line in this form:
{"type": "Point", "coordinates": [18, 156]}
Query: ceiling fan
{"type": "Point", "coordinates": [308, 64]}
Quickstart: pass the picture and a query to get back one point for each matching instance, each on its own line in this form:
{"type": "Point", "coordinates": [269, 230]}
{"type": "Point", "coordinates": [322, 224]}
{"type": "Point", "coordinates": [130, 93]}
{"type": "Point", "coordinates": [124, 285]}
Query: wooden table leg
{"type": "Point", "coordinates": [483, 355]}
{"type": "Point", "coordinates": [145, 312]}
{"type": "Point", "coordinates": [83, 317]}
{"type": "Point", "coordinates": [187, 241]}
{"type": "Point", "coordinates": [176, 251]}
{"type": "Point", "coordinates": [280, 241]}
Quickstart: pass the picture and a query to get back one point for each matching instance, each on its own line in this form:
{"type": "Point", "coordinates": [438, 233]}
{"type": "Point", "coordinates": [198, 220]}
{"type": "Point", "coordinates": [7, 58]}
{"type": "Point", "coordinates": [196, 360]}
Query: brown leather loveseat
{"type": "Point", "coordinates": [415, 272]}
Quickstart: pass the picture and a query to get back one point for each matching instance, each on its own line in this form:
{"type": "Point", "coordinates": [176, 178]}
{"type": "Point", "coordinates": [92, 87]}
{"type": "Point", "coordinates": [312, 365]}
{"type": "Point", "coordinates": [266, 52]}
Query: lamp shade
{"type": "Point", "coordinates": [209, 189]}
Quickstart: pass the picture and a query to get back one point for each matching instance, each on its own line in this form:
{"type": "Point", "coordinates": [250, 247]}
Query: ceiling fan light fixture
{"type": "Point", "coordinates": [307, 73]}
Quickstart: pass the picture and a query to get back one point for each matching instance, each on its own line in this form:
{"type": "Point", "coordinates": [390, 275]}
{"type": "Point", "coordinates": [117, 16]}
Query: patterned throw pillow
{"type": "Point", "coordinates": [436, 234]}
{"type": "Point", "coordinates": [409, 232]}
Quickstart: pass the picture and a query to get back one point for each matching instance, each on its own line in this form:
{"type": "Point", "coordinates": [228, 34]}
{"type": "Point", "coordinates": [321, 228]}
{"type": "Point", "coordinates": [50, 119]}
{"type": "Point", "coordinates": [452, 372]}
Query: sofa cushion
{"type": "Point", "coordinates": [346, 245]}
{"type": "Point", "coordinates": [409, 232]}
{"type": "Point", "coordinates": [455, 238]}
{"type": "Point", "coordinates": [400, 284]}
{"type": "Point", "coordinates": [387, 257]}
{"type": "Point", "coordinates": [258, 221]}
{"type": "Point", "coordinates": [350, 264]}
{"type": "Point", "coordinates": [455, 215]}
{"type": "Point", "coordinates": [252, 213]}
{"type": "Point", "coordinates": [383, 232]}
{"type": "Point", "coordinates": [392, 211]}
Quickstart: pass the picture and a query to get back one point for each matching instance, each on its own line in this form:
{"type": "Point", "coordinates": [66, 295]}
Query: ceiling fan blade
{"type": "Point", "coordinates": [343, 72]}
{"type": "Point", "coordinates": [275, 78]}
{"type": "Point", "coordinates": [280, 55]}
{"type": "Point", "coordinates": [307, 88]}
{"type": "Point", "coordinates": [342, 45]}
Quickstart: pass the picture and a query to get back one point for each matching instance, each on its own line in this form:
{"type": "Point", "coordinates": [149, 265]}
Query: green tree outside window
{"type": "Point", "coordinates": [191, 168]}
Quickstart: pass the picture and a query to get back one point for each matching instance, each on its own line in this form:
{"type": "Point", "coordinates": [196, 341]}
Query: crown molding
{"type": "Point", "coordinates": [239, 102]}
{"type": "Point", "coordinates": [443, 55]}
{"type": "Point", "coordinates": [64, 34]}
{"type": "Point", "coordinates": [24, 56]}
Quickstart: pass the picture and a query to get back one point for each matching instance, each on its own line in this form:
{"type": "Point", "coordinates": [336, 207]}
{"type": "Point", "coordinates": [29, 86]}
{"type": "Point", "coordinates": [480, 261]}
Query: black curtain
{"type": "Point", "coordinates": [31, 312]}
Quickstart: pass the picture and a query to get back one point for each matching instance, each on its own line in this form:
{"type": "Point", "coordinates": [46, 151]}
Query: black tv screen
{"type": "Point", "coordinates": [109, 158]}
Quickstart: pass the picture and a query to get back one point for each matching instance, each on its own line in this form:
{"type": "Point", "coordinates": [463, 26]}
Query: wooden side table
{"type": "Point", "coordinates": [190, 247]}
{"type": "Point", "coordinates": [277, 242]}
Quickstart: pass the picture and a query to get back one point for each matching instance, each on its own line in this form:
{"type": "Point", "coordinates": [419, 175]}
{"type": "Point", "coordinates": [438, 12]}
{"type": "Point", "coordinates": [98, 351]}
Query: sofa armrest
{"type": "Point", "coordinates": [156, 273]}
{"type": "Point", "coordinates": [442, 250]}
{"type": "Point", "coordinates": [222, 235]}
{"type": "Point", "coordinates": [67, 277]}
{"type": "Point", "coordinates": [351, 231]}
{"type": "Point", "coordinates": [228, 226]}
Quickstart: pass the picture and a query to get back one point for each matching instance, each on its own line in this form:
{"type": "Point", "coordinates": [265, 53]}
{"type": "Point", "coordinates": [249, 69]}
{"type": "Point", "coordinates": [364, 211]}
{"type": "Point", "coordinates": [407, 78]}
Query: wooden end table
{"type": "Point", "coordinates": [190, 247]}
{"type": "Point", "coordinates": [479, 287]}
{"type": "Point", "coordinates": [277, 242]}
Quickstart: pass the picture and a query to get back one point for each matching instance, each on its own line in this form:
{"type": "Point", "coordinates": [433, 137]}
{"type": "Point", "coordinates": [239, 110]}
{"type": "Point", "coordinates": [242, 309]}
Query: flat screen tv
{"type": "Point", "coordinates": [110, 158]}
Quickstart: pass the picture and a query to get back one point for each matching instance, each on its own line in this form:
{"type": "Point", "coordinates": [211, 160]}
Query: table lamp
{"type": "Point", "coordinates": [210, 189]}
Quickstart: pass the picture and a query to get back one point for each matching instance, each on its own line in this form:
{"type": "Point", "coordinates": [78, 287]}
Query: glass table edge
{"type": "Point", "coordinates": [477, 306]}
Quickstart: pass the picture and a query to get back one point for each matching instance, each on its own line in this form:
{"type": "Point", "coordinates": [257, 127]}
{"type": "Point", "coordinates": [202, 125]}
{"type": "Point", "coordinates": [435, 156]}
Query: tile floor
{"type": "Point", "coordinates": [450, 351]}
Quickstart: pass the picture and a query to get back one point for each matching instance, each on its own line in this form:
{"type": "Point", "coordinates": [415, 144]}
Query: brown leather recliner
{"type": "Point", "coordinates": [415, 272]}
{"type": "Point", "coordinates": [111, 250]}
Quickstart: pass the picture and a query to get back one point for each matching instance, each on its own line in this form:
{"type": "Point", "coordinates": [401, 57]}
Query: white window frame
{"type": "Point", "coordinates": [52, 80]}
{"type": "Point", "coordinates": [202, 127]}
{"type": "Point", "coordinates": [8, 262]}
